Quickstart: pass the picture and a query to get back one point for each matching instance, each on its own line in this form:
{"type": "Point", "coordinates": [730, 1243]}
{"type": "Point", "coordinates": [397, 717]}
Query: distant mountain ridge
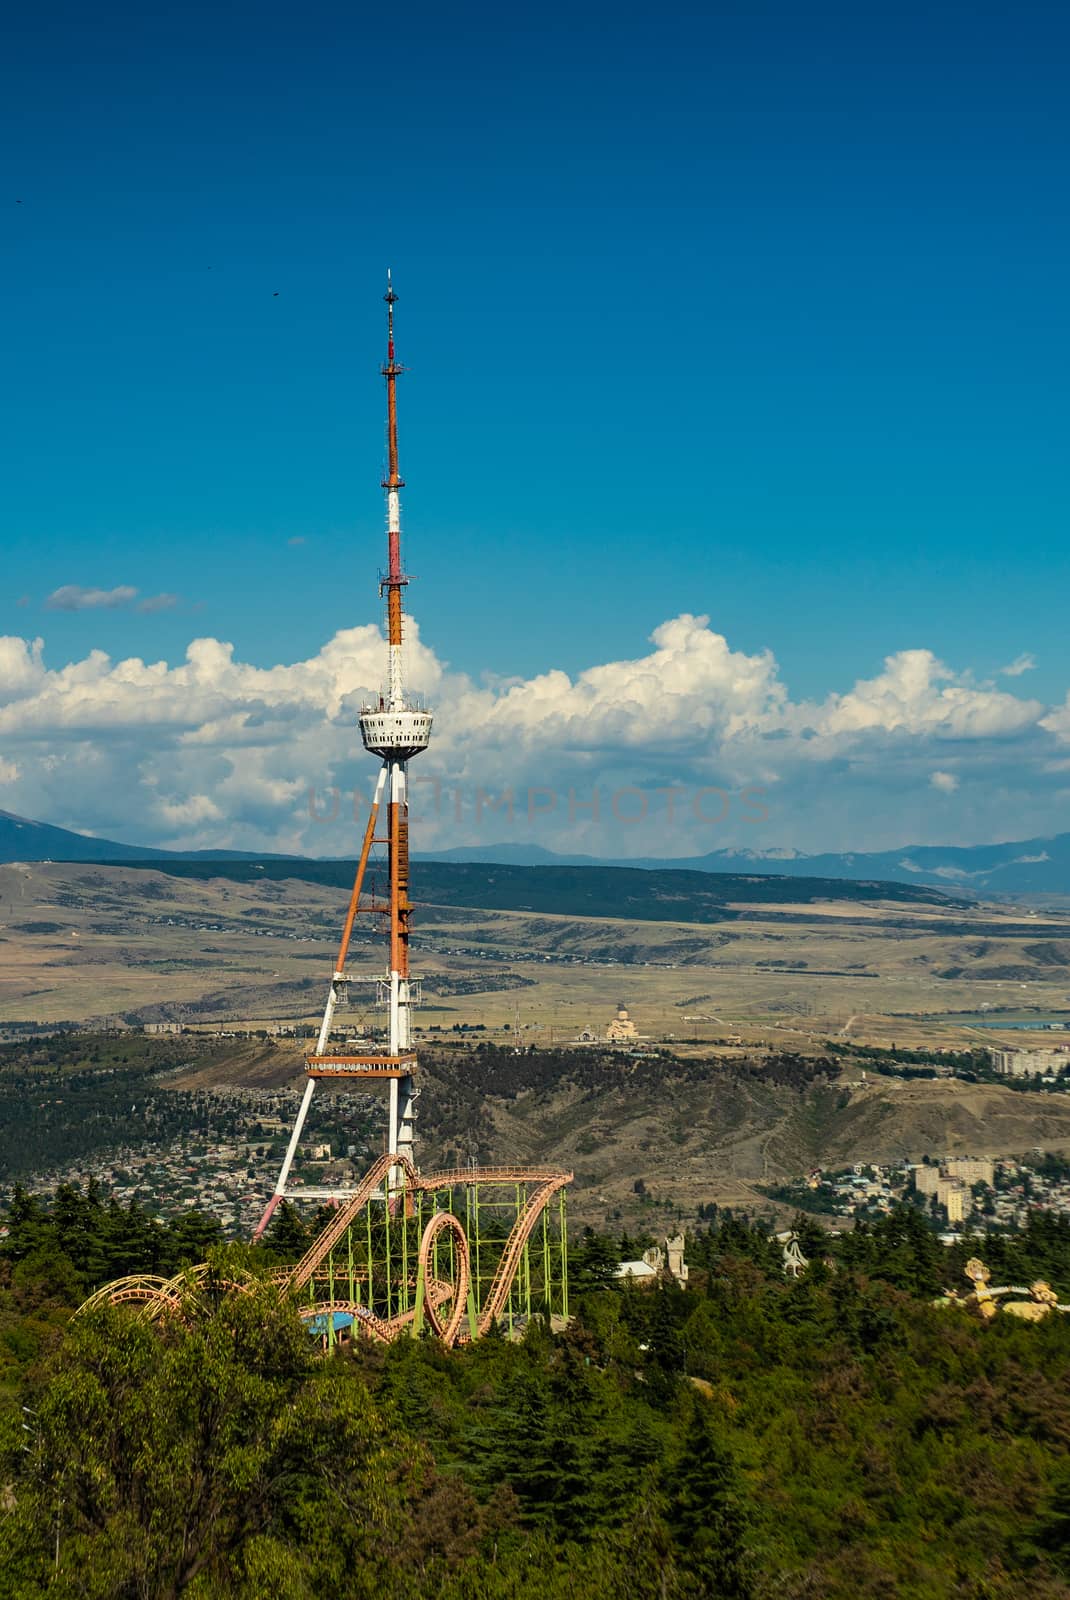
{"type": "Point", "coordinates": [1025, 866]}
{"type": "Point", "coordinates": [21, 839]}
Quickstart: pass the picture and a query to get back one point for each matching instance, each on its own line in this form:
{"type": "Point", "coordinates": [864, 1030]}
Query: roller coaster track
{"type": "Point", "coordinates": [142, 1288]}
{"type": "Point", "coordinates": [346, 1216]}
{"type": "Point", "coordinates": [549, 1184]}
{"type": "Point", "coordinates": [384, 1329]}
{"type": "Point", "coordinates": [157, 1295]}
{"type": "Point", "coordinates": [428, 1183]}
{"type": "Point", "coordinates": [446, 1222]}
{"type": "Point", "coordinates": [454, 1177]}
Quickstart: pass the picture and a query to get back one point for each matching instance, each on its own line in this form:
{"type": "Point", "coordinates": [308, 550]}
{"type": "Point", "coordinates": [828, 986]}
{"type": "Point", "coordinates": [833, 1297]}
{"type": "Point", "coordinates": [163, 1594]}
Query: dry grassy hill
{"type": "Point", "coordinates": [697, 1130]}
{"type": "Point", "coordinates": [693, 1129]}
{"type": "Point", "coordinates": [106, 945]}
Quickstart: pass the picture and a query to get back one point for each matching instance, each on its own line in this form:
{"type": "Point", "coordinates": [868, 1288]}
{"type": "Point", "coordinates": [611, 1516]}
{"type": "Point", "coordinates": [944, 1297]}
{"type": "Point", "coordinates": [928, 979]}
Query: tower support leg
{"type": "Point", "coordinates": [291, 1151]}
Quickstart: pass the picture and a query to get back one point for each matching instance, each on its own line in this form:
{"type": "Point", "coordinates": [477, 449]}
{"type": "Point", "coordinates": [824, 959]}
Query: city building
{"type": "Point", "coordinates": [652, 1263]}
{"type": "Point", "coordinates": [971, 1169]}
{"type": "Point", "coordinates": [955, 1198]}
{"type": "Point", "coordinates": [1029, 1063]}
{"type": "Point", "coordinates": [951, 1183]}
{"type": "Point", "coordinates": [926, 1179]}
{"type": "Point", "coordinates": [647, 1268]}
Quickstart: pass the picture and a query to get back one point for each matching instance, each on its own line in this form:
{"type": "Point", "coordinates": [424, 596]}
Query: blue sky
{"type": "Point", "coordinates": [756, 312]}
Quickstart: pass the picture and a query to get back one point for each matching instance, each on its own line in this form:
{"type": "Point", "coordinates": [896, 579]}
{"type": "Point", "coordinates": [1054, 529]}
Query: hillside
{"type": "Point", "coordinates": [24, 840]}
{"type": "Point", "coordinates": [694, 1130]}
{"type": "Point", "coordinates": [657, 896]}
{"type": "Point", "coordinates": [708, 1129]}
{"type": "Point", "coordinates": [659, 1129]}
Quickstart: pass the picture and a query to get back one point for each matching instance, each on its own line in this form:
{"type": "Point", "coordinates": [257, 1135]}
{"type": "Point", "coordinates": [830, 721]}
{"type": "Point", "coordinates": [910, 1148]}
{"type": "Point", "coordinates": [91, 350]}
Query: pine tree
{"type": "Point", "coordinates": [706, 1513]}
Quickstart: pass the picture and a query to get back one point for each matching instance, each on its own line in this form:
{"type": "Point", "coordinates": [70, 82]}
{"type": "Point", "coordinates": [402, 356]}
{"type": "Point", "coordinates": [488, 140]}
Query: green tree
{"type": "Point", "coordinates": [1049, 1536]}
{"type": "Point", "coordinates": [706, 1513]}
{"type": "Point", "coordinates": [204, 1458]}
{"type": "Point", "coordinates": [593, 1263]}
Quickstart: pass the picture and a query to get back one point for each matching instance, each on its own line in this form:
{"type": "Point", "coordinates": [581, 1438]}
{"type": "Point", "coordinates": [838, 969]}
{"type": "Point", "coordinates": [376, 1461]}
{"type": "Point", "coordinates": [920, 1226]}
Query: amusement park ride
{"type": "Point", "coordinates": [452, 1252]}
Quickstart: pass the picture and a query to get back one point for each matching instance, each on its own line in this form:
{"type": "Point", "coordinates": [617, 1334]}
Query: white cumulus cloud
{"type": "Point", "coordinates": [917, 694]}
{"type": "Point", "coordinates": [216, 751]}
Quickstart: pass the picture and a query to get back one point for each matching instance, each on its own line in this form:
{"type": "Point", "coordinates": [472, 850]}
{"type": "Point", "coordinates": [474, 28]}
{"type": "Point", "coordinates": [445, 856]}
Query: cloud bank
{"type": "Point", "coordinates": [215, 751]}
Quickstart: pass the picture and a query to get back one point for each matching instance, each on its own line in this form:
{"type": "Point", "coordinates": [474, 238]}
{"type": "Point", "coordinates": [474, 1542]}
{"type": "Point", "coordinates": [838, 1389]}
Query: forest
{"type": "Point", "coordinates": [837, 1436]}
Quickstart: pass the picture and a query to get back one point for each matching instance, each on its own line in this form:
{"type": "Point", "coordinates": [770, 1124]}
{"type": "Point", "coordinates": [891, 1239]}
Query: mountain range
{"type": "Point", "coordinates": [1025, 866]}
{"type": "Point", "coordinates": [21, 839]}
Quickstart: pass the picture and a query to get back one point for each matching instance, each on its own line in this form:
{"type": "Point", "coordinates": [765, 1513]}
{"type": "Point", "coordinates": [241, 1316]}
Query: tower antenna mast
{"type": "Point", "coordinates": [393, 483]}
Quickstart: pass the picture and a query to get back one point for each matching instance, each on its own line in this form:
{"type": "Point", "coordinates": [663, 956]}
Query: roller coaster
{"type": "Point", "coordinates": [449, 1254]}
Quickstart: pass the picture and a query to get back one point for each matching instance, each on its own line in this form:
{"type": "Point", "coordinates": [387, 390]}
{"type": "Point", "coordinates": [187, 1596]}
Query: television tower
{"type": "Point", "coordinates": [395, 728]}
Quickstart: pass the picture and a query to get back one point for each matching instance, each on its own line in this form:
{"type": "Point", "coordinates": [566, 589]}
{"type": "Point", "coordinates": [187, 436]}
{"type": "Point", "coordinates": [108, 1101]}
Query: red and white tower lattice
{"type": "Point", "coordinates": [395, 728]}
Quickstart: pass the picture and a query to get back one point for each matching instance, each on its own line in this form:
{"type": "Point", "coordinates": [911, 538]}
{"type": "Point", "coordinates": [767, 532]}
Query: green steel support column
{"type": "Point", "coordinates": [330, 1280]}
{"type": "Point", "coordinates": [515, 1300]}
{"type": "Point", "coordinates": [349, 1259]}
{"type": "Point", "coordinates": [475, 1248]}
{"type": "Point", "coordinates": [419, 1228]}
{"type": "Point", "coordinates": [527, 1266]}
{"type": "Point", "coordinates": [404, 1252]}
{"type": "Point", "coordinates": [546, 1259]}
{"type": "Point", "coordinates": [418, 1314]}
{"type": "Point", "coordinates": [386, 1248]}
{"type": "Point", "coordinates": [564, 1258]}
{"type": "Point", "coordinates": [371, 1260]}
